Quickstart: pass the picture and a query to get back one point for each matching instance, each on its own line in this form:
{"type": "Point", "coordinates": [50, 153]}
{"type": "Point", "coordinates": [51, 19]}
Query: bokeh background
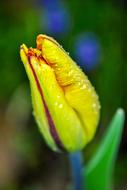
{"type": "Point", "coordinates": [94, 32]}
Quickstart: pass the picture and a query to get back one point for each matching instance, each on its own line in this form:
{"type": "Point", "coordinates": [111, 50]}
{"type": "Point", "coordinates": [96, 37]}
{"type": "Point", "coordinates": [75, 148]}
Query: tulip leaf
{"type": "Point", "coordinates": [99, 171]}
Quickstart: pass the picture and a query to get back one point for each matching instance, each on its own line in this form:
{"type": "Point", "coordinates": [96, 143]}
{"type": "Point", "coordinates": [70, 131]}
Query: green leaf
{"type": "Point", "coordinates": [98, 173]}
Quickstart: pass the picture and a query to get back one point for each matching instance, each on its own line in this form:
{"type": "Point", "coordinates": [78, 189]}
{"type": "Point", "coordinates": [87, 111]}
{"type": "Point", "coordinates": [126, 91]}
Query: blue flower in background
{"type": "Point", "coordinates": [50, 4]}
{"type": "Point", "coordinates": [56, 21]}
{"type": "Point", "coordinates": [55, 17]}
{"type": "Point", "coordinates": [87, 51]}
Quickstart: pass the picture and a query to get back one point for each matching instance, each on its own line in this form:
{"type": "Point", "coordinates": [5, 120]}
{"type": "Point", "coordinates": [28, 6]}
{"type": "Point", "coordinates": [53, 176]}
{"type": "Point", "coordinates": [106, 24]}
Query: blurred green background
{"type": "Point", "coordinates": [94, 32]}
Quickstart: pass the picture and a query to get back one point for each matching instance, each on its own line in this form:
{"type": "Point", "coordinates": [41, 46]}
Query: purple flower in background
{"type": "Point", "coordinates": [50, 4]}
{"type": "Point", "coordinates": [56, 21]}
{"type": "Point", "coordinates": [55, 17]}
{"type": "Point", "coordinates": [87, 51]}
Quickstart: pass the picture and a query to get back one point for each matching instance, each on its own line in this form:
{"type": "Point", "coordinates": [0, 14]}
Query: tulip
{"type": "Point", "coordinates": [66, 106]}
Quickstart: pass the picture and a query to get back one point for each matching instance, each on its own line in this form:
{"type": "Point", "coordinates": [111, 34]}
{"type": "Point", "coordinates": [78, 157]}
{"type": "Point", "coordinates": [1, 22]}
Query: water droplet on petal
{"type": "Point", "coordinates": [94, 105]}
{"type": "Point", "coordinates": [60, 106]}
{"type": "Point", "coordinates": [56, 103]}
{"type": "Point", "coordinates": [84, 86]}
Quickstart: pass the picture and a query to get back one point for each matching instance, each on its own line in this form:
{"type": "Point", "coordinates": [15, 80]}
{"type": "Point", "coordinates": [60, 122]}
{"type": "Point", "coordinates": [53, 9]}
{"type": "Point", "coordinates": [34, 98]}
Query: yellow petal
{"type": "Point", "coordinates": [39, 111]}
{"type": "Point", "coordinates": [66, 121]}
{"type": "Point", "coordinates": [79, 92]}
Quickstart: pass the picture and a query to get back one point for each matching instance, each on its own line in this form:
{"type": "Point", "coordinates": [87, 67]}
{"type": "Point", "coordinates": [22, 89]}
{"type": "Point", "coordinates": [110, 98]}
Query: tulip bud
{"type": "Point", "coordinates": [66, 106]}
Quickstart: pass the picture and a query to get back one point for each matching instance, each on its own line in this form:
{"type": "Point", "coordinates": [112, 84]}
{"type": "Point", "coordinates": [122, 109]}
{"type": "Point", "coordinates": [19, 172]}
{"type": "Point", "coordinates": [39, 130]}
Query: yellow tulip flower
{"type": "Point", "coordinates": [66, 106]}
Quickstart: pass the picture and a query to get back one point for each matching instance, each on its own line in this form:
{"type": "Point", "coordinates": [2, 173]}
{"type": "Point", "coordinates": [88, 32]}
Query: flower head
{"type": "Point", "coordinates": [87, 51]}
{"type": "Point", "coordinates": [56, 21]}
{"type": "Point", "coordinates": [65, 104]}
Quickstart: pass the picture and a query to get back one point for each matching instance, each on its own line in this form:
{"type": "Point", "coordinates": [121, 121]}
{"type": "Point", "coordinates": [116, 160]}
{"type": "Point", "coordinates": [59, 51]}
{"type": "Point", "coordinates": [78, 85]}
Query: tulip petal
{"type": "Point", "coordinates": [37, 101]}
{"type": "Point", "coordinates": [78, 90]}
{"type": "Point", "coordinates": [66, 121]}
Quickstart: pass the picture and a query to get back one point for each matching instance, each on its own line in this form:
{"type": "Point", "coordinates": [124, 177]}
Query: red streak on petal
{"type": "Point", "coordinates": [49, 118]}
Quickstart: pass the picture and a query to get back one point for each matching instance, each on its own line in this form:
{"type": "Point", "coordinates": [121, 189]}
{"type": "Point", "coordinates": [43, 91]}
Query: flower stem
{"type": "Point", "coordinates": [76, 167]}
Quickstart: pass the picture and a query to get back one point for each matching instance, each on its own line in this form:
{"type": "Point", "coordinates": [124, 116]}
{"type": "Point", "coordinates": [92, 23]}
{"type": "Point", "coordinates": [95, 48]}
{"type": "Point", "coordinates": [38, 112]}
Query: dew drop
{"type": "Point", "coordinates": [84, 86]}
{"type": "Point", "coordinates": [60, 106]}
{"type": "Point", "coordinates": [56, 103]}
{"type": "Point", "coordinates": [94, 105]}
{"type": "Point", "coordinates": [79, 83]}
